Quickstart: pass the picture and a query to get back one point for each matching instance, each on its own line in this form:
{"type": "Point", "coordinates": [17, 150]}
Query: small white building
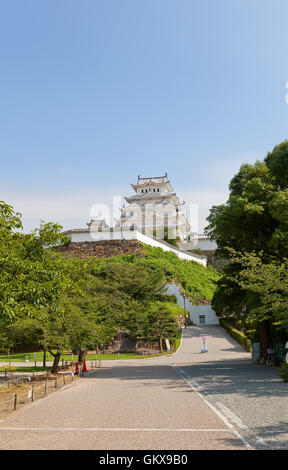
{"type": "Point", "coordinates": [199, 314]}
{"type": "Point", "coordinates": [204, 243]}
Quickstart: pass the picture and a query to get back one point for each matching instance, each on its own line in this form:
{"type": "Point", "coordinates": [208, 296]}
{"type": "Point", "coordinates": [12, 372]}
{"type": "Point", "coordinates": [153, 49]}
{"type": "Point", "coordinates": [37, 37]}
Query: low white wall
{"type": "Point", "coordinates": [194, 310]}
{"type": "Point", "coordinates": [158, 244]}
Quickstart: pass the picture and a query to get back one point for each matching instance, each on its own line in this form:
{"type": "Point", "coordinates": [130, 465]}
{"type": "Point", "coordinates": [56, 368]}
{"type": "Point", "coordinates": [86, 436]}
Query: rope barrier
{"type": "Point", "coordinates": [6, 401]}
{"type": "Point", "coordinates": [45, 386]}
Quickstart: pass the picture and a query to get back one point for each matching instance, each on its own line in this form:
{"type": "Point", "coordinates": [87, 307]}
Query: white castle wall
{"type": "Point", "coordinates": [194, 310]}
{"type": "Point", "coordinates": [165, 247]}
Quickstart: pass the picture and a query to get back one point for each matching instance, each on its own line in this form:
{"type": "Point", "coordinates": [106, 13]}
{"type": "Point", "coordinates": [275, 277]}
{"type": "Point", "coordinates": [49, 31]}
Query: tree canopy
{"type": "Point", "coordinates": [51, 302]}
{"type": "Point", "coordinates": [251, 233]}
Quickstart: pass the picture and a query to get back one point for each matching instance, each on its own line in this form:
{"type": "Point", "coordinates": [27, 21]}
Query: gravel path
{"type": "Point", "coordinates": [156, 404]}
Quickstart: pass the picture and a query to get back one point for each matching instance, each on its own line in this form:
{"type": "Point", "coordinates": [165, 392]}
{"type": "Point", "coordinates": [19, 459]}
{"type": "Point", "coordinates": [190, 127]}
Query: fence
{"type": "Point", "coordinates": [35, 391]}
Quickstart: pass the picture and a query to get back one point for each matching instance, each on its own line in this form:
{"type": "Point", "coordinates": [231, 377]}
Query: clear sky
{"type": "Point", "coordinates": [95, 92]}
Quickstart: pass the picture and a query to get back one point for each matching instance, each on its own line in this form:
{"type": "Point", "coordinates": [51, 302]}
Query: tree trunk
{"type": "Point", "coordinates": [82, 355]}
{"type": "Point", "coordinates": [44, 357]}
{"type": "Point", "coordinates": [56, 362]}
{"type": "Point", "coordinates": [265, 339]}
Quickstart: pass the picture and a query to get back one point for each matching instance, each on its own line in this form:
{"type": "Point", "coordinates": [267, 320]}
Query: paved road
{"type": "Point", "coordinates": [156, 404]}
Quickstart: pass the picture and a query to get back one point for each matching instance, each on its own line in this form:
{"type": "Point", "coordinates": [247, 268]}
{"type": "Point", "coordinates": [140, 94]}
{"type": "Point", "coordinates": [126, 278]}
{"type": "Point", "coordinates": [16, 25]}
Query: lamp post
{"type": "Point", "coordinates": [185, 321]}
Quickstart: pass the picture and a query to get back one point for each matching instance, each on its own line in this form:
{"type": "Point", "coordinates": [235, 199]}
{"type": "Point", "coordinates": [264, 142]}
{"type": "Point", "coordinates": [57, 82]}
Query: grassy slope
{"type": "Point", "coordinates": [197, 281]}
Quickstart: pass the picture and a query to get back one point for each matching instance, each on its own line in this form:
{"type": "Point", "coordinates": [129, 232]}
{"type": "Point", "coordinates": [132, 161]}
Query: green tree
{"type": "Point", "coordinates": [254, 220]}
{"type": "Point", "coordinates": [161, 323]}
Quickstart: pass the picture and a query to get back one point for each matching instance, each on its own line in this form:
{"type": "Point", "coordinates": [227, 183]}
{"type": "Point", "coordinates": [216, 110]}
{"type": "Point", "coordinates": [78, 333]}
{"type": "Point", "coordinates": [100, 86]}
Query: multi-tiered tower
{"type": "Point", "coordinates": [155, 209]}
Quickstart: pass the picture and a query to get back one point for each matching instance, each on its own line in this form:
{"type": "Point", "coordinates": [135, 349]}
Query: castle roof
{"type": "Point", "coordinates": [158, 179]}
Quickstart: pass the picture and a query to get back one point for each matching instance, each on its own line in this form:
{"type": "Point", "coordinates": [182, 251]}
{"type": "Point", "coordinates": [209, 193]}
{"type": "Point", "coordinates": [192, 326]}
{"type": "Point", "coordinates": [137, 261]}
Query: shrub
{"type": "Point", "coordinates": [253, 335]}
{"type": "Point", "coordinates": [284, 372]}
{"type": "Point", "coordinates": [242, 339]}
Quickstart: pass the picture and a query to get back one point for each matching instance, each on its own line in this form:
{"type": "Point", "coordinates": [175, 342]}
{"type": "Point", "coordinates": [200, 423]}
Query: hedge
{"type": "Point", "coordinates": [242, 339]}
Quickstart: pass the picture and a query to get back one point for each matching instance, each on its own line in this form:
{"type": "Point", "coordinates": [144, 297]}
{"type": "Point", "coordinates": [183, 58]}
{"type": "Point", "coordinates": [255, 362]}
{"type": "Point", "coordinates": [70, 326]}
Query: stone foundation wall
{"type": "Point", "coordinates": [217, 263]}
{"type": "Point", "coordinates": [101, 249]}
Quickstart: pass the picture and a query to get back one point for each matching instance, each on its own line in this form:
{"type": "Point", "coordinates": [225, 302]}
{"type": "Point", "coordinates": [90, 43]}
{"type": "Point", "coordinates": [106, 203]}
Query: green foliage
{"type": "Point", "coordinates": [284, 372]}
{"type": "Point", "coordinates": [161, 322]}
{"type": "Point", "coordinates": [53, 303]}
{"type": "Point", "coordinates": [177, 340]}
{"type": "Point", "coordinates": [253, 335]}
{"type": "Point", "coordinates": [165, 230]}
{"type": "Point", "coordinates": [240, 337]}
{"type": "Point", "coordinates": [251, 233]}
{"type": "Point", "coordinates": [266, 287]}
{"type": "Point", "coordinates": [31, 277]}
{"type": "Point", "coordinates": [197, 281]}
{"type": "Point", "coordinates": [277, 162]}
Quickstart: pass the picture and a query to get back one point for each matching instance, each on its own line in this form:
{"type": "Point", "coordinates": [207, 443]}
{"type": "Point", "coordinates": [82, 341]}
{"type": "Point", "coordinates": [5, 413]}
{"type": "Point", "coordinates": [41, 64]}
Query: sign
{"type": "Point", "coordinates": [204, 347]}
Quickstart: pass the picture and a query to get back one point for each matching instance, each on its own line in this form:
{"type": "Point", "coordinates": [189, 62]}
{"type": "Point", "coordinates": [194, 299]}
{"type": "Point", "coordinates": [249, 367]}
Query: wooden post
{"type": "Point", "coordinates": [15, 401]}
{"type": "Point", "coordinates": [56, 382]}
{"type": "Point", "coordinates": [63, 379]}
{"type": "Point", "coordinates": [46, 385]}
{"type": "Point", "coordinates": [33, 386]}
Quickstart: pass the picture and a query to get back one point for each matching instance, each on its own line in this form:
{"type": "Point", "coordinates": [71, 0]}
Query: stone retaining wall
{"type": "Point", "coordinates": [101, 249]}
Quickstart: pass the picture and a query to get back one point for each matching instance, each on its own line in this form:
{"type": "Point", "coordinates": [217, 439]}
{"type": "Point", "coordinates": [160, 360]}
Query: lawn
{"type": "Point", "coordinates": [68, 356]}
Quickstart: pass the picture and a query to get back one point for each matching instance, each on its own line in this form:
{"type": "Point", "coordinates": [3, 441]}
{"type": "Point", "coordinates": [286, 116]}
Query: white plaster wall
{"type": "Point", "coordinates": [194, 310]}
{"type": "Point", "coordinates": [157, 243]}
{"type": "Point", "coordinates": [104, 235]}
{"type": "Point", "coordinates": [80, 237]}
{"type": "Point", "coordinates": [206, 244]}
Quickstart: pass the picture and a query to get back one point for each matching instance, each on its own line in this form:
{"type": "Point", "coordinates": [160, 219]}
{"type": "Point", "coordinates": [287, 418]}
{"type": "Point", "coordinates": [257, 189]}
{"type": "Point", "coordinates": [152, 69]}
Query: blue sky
{"type": "Point", "coordinates": [95, 92]}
